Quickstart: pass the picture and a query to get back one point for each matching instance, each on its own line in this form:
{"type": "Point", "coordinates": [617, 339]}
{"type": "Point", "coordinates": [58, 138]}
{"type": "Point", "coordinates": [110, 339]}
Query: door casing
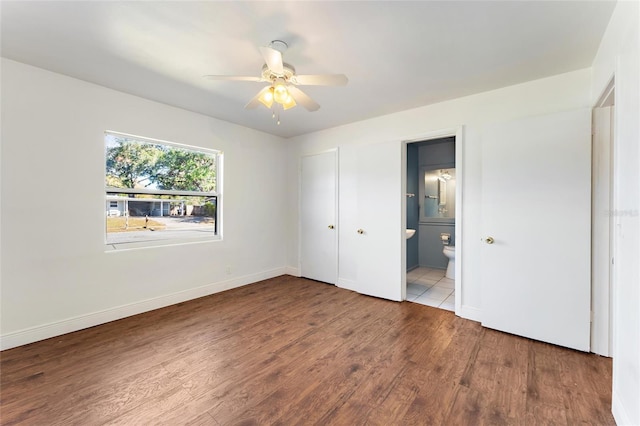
{"type": "Point", "coordinates": [603, 226]}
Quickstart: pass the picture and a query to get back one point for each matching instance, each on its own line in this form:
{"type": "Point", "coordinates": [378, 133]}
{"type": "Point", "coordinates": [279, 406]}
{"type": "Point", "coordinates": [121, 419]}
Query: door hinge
{"type": "Point", "coordinates": [591, 316]}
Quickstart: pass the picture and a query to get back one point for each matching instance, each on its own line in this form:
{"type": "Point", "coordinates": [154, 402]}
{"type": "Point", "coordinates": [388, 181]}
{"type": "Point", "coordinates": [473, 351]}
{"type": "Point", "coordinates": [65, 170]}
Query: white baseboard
{"type": "Point", "coordinates": [290, 270]}
{"type": "Point", "coordinates": [620, 415]}
{"type": "Point", "coordinates": [470, 313]}
{"type": "Point", "coordinates": [46, 331]}
{"type": "Point", "coordinates": [347, 284]}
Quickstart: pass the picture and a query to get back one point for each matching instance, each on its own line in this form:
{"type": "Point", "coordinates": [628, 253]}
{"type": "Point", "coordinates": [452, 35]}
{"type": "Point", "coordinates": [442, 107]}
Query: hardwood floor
{"type": "Point", "coordinates": [291, 351]}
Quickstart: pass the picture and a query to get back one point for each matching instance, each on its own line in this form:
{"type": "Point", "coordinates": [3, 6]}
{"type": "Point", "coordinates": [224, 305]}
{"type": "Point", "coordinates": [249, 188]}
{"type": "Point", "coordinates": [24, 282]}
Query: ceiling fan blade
{"type": "Point", "coordinates": [321, 80]}
{"type": "Point", "coordinates": [303, 99]}
{"type": "Point", "coordinates": [255, 103]}
{"type": "Point", "coordinates": [233, 78]}
{"type": "Point", "coordinates": [273, 59]}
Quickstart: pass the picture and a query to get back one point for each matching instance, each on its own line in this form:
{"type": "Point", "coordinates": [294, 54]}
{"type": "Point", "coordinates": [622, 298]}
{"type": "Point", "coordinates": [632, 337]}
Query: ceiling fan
{"type": "Point", "coordinates": [282, 79]}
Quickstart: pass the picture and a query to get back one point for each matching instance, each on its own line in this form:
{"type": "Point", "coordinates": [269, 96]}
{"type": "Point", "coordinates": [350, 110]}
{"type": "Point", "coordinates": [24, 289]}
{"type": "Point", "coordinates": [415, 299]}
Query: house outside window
{"type": "Point", "coordinates": [159, 191]}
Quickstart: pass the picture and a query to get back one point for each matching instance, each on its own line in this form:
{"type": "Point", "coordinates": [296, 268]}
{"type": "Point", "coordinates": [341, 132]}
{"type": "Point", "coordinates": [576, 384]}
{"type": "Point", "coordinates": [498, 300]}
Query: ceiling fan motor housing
{"type": "Point", "coordinates": [269, 75]}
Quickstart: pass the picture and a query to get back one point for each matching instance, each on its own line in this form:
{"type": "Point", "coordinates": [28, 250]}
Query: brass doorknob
{"type": "Point", "coordinates": [360, 231]}
{"type": "Point", "coordinates": [330, 226]}
{"type": "Point", "coordinates": [489, 240]}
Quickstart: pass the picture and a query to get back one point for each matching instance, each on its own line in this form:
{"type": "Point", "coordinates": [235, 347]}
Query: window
{"type": "Point", "coordinates": [158, 190]}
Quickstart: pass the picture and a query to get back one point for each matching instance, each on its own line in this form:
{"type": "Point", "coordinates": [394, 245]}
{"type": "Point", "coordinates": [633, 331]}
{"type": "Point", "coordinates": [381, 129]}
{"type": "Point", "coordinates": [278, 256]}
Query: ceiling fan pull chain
{"type": "Point", "coordinates": [276, 113]}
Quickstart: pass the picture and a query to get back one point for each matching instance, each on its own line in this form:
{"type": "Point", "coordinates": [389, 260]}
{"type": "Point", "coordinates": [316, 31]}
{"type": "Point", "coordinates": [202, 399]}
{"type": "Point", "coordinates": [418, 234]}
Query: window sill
{"type": "Point", "coordinates": [119, 247]}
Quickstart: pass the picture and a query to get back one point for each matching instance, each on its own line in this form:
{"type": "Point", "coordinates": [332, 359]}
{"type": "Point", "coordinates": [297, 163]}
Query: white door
{"type": "Point", "coordinates": [373, 218]}
{"type": "Point", "coordinates": [318, 227]}
{"type": "Point", "coordinates": [536, 198]}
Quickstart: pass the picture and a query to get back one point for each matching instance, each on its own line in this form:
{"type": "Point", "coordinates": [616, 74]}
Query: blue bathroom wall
{"type": "Point", "coordinates": [431, 153]}
{"type": "Point", "coordinates": [412, 205]}
{"type": "Point", "coordinates": [439, 151]}
{"type": "Point", "coordinates": [430, 244]}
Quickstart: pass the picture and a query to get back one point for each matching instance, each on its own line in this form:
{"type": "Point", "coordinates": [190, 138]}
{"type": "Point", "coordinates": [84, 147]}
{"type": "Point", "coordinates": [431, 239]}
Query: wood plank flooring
{"type": "Point", "coordinates": [291, 351]}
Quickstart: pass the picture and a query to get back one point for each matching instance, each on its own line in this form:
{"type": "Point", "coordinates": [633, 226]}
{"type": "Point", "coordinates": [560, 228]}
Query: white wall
{"type": "Point", "coordinates": [619, 55]}
{"type": "Point", "coordinates": [56, 275]}
{"type": "Point", "coordinates": [558, 93]}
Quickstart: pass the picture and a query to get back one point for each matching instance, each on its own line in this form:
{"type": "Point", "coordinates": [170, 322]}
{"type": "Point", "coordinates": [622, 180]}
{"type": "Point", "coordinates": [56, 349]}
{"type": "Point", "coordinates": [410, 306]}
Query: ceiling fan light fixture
{"type": "Point", "coordinates": [266, 98]}
{"type": "Point", "coordinates": [280, 92]}
{"type": "Point", "coordinates": [290, 103]}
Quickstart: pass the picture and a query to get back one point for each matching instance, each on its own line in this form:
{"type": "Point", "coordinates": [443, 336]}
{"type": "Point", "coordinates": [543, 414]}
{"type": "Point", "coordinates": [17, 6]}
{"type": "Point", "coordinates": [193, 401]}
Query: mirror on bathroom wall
{"type": "Point", "coordinates": [438, 195]}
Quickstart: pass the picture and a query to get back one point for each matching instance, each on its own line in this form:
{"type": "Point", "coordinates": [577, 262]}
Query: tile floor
{"type": "Point", "coordinates": [428, 286]}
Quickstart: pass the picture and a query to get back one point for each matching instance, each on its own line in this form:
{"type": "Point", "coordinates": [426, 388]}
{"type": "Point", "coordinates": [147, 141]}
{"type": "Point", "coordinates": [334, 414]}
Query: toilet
{"type": "Point", "coordinates": [450, 252]}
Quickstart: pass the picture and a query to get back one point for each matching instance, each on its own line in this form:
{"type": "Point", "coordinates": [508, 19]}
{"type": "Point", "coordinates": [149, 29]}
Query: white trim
{"type": "Point", "coordinates": [459, 144]}
{"type": "Point", "coordinates": [220, 191]}
{"type": "Point", "coordinates": [41, 332]}
{"type": "Point", "coordinates": [602, 230]}
{"type": "Point", "coordinates": [607, 96]}
{"type": "Point", "coordinates": [149, 244]}
{"type": "Point", "coordinates": [435, 134]}
{"type": "Point", "coordinates": [602, 327]}
{"type": "Point", "coordinates": [293, 271]}
{"type": "Point", "coordinates": [336, 215]}
{"type": "Point", "coordinates": [347, 284]}
{"type": "Point", "coordinates": [620, 415]}
{"type": "Point", "coordinates": [163, 142]}
{"type": "Point", "coordinates": [468, 312]}
{"type": "Point", "coordinates": [403, 220]}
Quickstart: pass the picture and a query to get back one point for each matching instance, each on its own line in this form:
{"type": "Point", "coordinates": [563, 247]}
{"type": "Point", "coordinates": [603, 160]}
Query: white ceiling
{"type": "Point", "coordinates": [397, 55]}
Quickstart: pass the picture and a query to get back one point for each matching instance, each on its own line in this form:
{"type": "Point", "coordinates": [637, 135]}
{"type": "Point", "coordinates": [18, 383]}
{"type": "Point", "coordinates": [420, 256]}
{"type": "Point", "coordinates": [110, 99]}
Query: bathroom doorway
{"type": "Point", "coordinates": [433, 210]}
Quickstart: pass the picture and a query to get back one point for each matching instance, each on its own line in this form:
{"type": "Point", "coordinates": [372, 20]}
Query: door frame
{"type": "Point", "coordinates": [602, 294]}
{"type": "Point", "coordinates": [336, 153]}
{"type": "Point", "coordinates": [458, 133]}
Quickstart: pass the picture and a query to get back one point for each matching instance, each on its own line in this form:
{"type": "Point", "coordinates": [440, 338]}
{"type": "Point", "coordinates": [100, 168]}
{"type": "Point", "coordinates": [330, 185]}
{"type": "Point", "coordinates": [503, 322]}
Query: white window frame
{"type": "Point", "coordinates": [217, 235]}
